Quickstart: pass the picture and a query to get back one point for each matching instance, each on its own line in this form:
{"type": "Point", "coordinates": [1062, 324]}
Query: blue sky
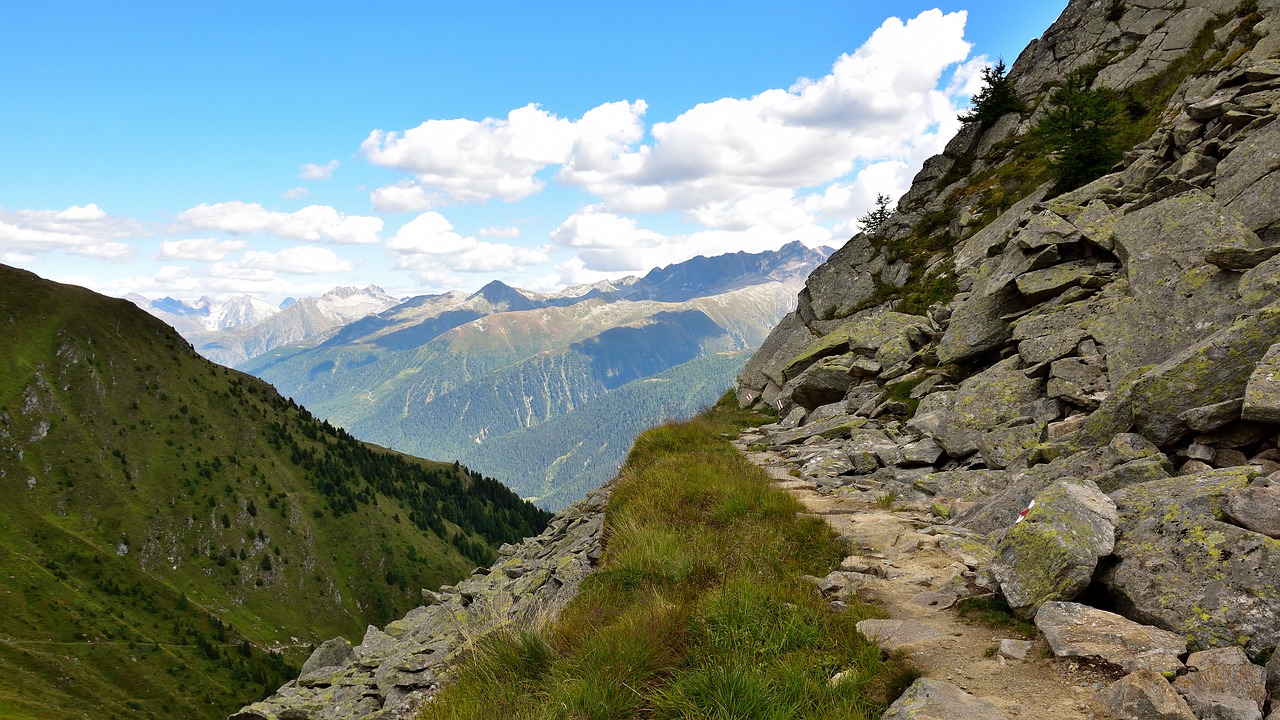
{"type": "Point", "coordinates": [281, 148]}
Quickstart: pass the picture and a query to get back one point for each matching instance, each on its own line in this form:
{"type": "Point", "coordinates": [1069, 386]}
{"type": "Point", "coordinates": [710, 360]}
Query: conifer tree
{"type": "Point", "coordinates": [996, 98]}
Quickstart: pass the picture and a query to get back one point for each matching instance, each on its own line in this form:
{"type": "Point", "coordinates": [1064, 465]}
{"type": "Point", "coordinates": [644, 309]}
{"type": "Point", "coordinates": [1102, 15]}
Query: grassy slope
{"type": "Point", "coordinates": [698, 609]}
{"type": "Point", "coordinates": [167, 521]}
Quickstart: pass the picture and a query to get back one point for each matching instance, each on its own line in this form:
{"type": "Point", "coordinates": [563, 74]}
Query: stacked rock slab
{"type": "Point", "coordinates": [394, 670]}
{"type": "Point", "coordinates": [1109, 366]}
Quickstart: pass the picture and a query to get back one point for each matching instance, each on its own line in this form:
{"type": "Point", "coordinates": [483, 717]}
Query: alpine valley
{"type": "Point", "coordinates": [176, 536]}
{"type": "Point", "coordinates": [545, 392]}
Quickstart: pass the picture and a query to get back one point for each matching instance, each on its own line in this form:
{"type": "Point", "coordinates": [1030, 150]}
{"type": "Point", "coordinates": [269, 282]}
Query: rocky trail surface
{"type": "Point", "coordinates": [902, 562]}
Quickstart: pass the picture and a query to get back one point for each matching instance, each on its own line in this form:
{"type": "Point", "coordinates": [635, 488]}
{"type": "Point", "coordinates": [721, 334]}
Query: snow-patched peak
{"type": "Point", "coordinates": [349, 303]}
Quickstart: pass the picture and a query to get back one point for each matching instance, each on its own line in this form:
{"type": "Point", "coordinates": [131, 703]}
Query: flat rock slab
{"type": "Point", "coordinates": [928, 699]}
{"type": "Point", "coordinates": [893, 634]}
{"type": "Point", "coordinates": [1075, 630]}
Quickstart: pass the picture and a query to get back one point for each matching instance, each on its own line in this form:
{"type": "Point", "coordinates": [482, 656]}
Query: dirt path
{"type": "Point", "coordinates": [901, 557]}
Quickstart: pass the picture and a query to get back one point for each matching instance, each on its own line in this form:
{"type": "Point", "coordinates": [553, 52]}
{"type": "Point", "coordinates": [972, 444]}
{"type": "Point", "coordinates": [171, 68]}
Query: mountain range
{"type": "Point", "coordinates": [543, 391]}
{"type": "Point", "coordinates": [176, 535]}
{"type": "Point", "coordinates": [229, 332]}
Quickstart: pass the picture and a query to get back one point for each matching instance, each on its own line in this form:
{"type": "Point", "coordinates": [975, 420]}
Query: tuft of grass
{"type": "Point", "coordinates": [697, 609]}
{"type": "Point", "coordinates": [886, 501]}
{"type": "Point", "coordinates": [993, 611]}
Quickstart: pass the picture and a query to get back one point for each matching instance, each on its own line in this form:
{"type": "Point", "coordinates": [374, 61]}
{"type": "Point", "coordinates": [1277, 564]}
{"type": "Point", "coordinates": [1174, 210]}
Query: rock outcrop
{"type": "Point", "coordinates": [1087, 382]}
{"type": "Point", "coordinates": [394, 670]}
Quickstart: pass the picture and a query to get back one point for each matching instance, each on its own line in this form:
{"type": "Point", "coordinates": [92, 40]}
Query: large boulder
{"type": "Point", "coordinates": [1144, 695]}
{"type": "Point", "coordinates": [1179, 567]}
{"type": "Point", "coordinates": [1223, 683]}
{"type": "Point", "coordinates": [1177, 297]}
{"type": "Point", "coordinates": [986, 400]}
{"type": "Point", "coordinates": [1075, 630]}
{"type": "Point", "coordinates": [1214, 369]}
{"type": "Point", "coordinates": [1052, 553]}
{"type": "Point", "coordinates": [1249, 183]}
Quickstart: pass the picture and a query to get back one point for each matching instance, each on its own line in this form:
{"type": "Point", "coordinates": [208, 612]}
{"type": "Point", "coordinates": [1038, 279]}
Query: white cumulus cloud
{"type": "Point", "coordinates": [429, 246]}
{"type": "Point", "coordinates": [312, 171]}
{"type": "Point", "coordinates": [297, 193]}
{"type": "Point", "coordinates": [78, 230]}
{"type": "Point", "coordinates": [301, 260]}
{"type": "Point", "coordinates": [201, 249]}
{"type": "Point", "coordinates": [467, 161]}
{"type": "Point", "coordinates": [314, 223]}
{"type": "Point", "coordinates": [404, 196]}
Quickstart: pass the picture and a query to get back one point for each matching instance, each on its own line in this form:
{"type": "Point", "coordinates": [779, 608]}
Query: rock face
{"type": "Point", "coordinates": [394, 670]}
{"type": "Point", "coordinates": [1111, 352]}
{"type": "Point", "coordinates": [1075, 630]}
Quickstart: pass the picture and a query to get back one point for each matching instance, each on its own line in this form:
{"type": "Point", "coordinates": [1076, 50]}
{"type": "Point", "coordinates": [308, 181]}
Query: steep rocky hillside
{"type": "Point", "coordinates": [175, 534]}
{"type": "Point", "coordinates": [1100, 347]}
{"type": "Point", "coordinates": [519, 385]}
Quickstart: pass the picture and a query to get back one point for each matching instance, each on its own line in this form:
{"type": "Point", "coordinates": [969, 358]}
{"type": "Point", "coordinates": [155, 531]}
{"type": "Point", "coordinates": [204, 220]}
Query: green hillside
{"type": "Point", "coordinates": [176, 535]}
{"type": "Point", "coordinates": [560, 460]}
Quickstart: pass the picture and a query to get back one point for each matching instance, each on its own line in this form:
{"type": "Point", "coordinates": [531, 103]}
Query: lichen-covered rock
{"type": "Point", "coordinates": [1176, 297]}
{"type": "Point", "coordinates": [1262, 390]}
{"type": "Point", "coordinates": [1217, 367]}
{"type": "Point", "coordinates": [1075, 630]}
{"type": "Point", "coordinates": [961, 484]}
{"type": "Point", "coordinates": [1181, 569]}
{"type": "Point", "coordinates": [984, 401]}
{"type": "Point", "coordinates": [1144, 695]}
{"type": "Point", "coordinates": [1249, 183]}
{"type": "Point", "coordinates": [1052, 553]}
{"type": "Point", "coordinates": [822, 383]}
{"type": "Point", "coordinates": [836, 427]}
{"type": "Point", "coordinates": [864, 335]}
{"type": "Point", "coordinates": [1001, 446]}
{"type": "Point", "coordinates": [929, 699]}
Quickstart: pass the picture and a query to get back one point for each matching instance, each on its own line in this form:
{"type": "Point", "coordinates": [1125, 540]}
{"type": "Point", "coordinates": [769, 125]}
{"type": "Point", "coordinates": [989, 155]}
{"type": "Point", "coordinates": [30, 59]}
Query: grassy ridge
{"type": "Point", "coordinates": [698, 609]}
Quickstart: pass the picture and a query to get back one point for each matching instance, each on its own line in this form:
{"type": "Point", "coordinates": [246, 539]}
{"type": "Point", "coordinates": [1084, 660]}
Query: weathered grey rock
{"type": "Point", "coordinates": [1215, 368]}
{"type": "Point", "coordinates": [1212, 417]}
{"type": "Point", "coordinates": [1052, 553]}
{"type": "Point", "coordinates": [822, 383]}
{"type": "Point", "coordinates": [843, 284]}
{"type": "Point", "coordinates": [1134, 472]}
{"type": "Point", "coordinates": [893, 634]}
{"type": "Point", "coordinates": [1041, 285]}
{"type": "Point", "coordinates": [1075, 630]}
{"type": "Point", "coordinates": [929, 699]}
{"type": "Point", "coordinates": [1262, 391]}
{"type": "Point", "coordinates": [330, 653]}
{"type": "Point", "coordinates": [787, 340]}
{"type": "Point", "coordinates": [1181, 569]}
{"type": "Point", "coordinates": [961, 484]}
{"type": "Point", "coordinates": [976, 248]}
{"type": "Point", "coordinates": [1081, 381]}
{"type": "Point", "coordinates": [921, 452]}
{"type": "Point", "coordinates": [863, 335]}
{"type": "Point", "coordinates": [1176, 296]}
{"type": "Point", "coordinates": [1014, 649]}
{"type": "Point", "coordinates": [1001, 446]}
{"type": "Point", "coordinates": [1273, 677]}
{"type": "Point", "coordinates": [1257, 508]}
{"type": "Point", "coordinates": [986, 400]}
{"type": "Point", "coordinates": [1144, 695]}
{"type": "Point", "coordinates": [836, 427]}
{"type": "Point", "coordinates": [1248, 181]}
{"type": "Point", "coordinates": [1218, 678]}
